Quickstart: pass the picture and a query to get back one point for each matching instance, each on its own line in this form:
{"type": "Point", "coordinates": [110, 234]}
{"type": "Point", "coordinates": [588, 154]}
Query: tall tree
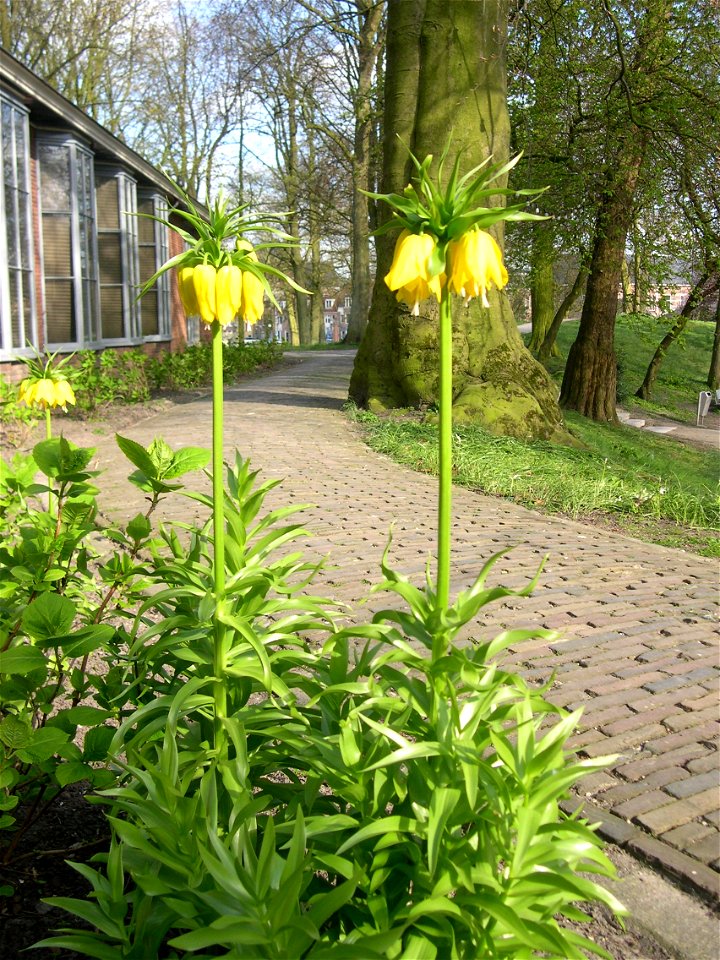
{"type": "Point", "coordinates": [654, 51]}
{"type": "Point", "coordinates": [91, 51]}
{"type": "Point", "coordinates": [445, 72]}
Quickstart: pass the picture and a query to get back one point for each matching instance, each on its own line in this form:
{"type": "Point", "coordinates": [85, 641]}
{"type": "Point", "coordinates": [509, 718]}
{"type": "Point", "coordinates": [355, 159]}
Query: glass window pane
{"type": "Point", "coordinates": [111, 311]}
{"type": "Point", "coordinates": [147, 263]}
{"type": "Point", "coordinates": [21, 147]}
{"type": "Point", "coordinates": [60, 314]}
{"type": "Point", "coordinates": [55, 177]}
{"type": "Point", "coordinates": [106, 198]}
{"type": "Point", "coordinates": [16, 325]}
{"type": "Point", "coordinates": [146, 227]}
{"type": "Point", "coordinates": [149, 313]}
{"type": "Point", "coordinates": [109, 258]}
{"type": "Point", "coordinates": [11, 227]}
{"type": "Point", "coordinates": [56, 246]}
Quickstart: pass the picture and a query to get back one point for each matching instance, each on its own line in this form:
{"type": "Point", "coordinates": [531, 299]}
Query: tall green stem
{"type": "Point", "coordinates": [445, 451]}
{"type": "Point", "coordinates": [48, 436]}
{"type": "Point", "coordinates": [220, 692]}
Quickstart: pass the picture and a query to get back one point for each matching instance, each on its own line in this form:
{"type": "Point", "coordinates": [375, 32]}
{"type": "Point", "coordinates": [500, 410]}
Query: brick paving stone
{"type": "Point", "coordinates": [691, 718]}
{"type": "Point", "coordinates": [666, 683]}
{"type": "Point", "coordinates": [707, 850]}
{"type": "Point", "coordinates": [597, 783]}
{"type": "Point", "coordinates": [689, 833]}
{"type": "Point", "coordinates": [625, 741]}
{"type": "Point", "coordinates": [701, 703]}
{"type": "Point", "coordinates": [641, 766]}
{"type": "Point", "coordinates": [710, 761]}
{"type": "Point", "coordinates": [635, 720]}
{"type": "Point", "coordinates": [650, 701]}
{"type": "Point", "coordinates": [707, 731]}
{"type": "Point", "coordinates": [648, 800]}
{"type": "Point", "coordinates": [616, 715]}
{"type": "Point", "coordinates": [633, 788]}
{"type": "Point", "coordinates": [697, 784]}
{"type": "Point", "coordinates": [679, 811]}
{"type": "Point", "coordinates": [620, 697]}
{"type": "Point", "coordinates": [705, 880]}
{"type": "Point", "coordinates": [637, 669]}
{"type": "Point", "coordinates": [700, 673]}
{"type": "Point", "coordinates": [614, 684]}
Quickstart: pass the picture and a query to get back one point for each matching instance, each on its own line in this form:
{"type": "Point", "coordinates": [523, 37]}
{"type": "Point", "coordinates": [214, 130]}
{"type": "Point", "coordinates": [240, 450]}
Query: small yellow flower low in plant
{"type": "Point", "coordinates": [409, 273]}
{"type": "Point", "coordinates": [476, 265]}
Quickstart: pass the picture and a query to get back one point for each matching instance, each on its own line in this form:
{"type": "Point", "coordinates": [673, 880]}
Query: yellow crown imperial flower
{"type": "Point", "coordinates": [45, 392]}
{"type": "Point", "coordinates": [476, 265]}
{"type": "Point", "coordinates": [409, 273]}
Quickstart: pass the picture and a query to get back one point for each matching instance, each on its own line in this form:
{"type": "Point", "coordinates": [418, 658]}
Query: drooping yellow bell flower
{"type": "Point", "coordinates": [253, 297]}
{"type": "Point", "coordinates": [409, 275]}
{"type": "Point", "coordinates": [204, 278]}
{"type": "Point", "coordinates": [476, 265]}
{"type": "Point", "coordinates": [45, 392]}
{"type": "Point", "coordinates": [228, 293]}
{"type": "Point", "coordinates": [187, 291]}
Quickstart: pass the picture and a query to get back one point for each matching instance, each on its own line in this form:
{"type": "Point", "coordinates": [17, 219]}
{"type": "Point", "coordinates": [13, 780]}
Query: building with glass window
{"type": "Point", "coordinates": [73, 252]}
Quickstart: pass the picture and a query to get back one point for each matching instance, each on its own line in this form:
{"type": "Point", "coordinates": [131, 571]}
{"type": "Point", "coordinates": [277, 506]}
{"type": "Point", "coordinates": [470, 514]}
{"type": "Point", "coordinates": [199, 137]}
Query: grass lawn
{"type": "Point", "coordinates": [648, 486]}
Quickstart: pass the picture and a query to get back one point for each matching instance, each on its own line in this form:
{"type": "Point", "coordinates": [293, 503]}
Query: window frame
{"type": "Point", "coordinates": [87, 331]}
{"type": "Point", "coordinates": [161, 210]}
{"type": "Point", "coordinates": [127, 232]}
{"type": "Point", "coordinates": [8, 349]}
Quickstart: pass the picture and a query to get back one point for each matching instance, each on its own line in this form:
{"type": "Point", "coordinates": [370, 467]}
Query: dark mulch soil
{"type": "Point", "coordinates": [73, 829]}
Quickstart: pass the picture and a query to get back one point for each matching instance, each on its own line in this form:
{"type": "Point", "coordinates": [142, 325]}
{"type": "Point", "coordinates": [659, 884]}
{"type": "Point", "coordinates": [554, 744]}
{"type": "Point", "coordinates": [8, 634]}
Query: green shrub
{"type": "Point", "coordinates": [110, 376]}
{"type": "Point", "coordinates": [192, 368]}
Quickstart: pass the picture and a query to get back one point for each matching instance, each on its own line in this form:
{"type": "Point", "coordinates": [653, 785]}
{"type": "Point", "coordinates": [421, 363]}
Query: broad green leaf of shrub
{"type": "Point", "coordinates": [97, 743]}
{"type": "Point", "coordinates": [23, 660]}
{"type": "Point", "coordinates": [44, 743]}
{"type": "Point", "coordinates": [72, 772]}
{"type": "Point", "coordinates": [49, 615]}
{"type": "Point", "coordinates": [60, 459]}
{"type": "Point", "coordinates": [15, 732]}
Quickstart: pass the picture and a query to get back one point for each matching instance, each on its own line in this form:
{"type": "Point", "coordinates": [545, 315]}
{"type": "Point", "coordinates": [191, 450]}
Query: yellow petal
{"type": "Point", "coordinates": [253, 297]}
{"type": "Point", "coordinates": [228, 293]}
{"type": "Point", "coordinates": [187, 291]}
{"type": "Point", "coordinates": [45, 393]}
{"type": "Point", "coordinates": [64, 393]}
{"type": "Point", "coordinates": [410, 260]}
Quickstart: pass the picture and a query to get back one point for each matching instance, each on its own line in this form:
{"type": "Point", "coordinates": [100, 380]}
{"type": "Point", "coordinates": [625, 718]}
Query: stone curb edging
{"type": "Point", "coordinates": [672, 863]}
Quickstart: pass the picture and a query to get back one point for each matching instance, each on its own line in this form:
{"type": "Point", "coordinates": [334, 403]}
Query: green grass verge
{"type": "Point", "coordinates": [647, 486]}
{"type": "Point", "coordinates": [683, 373]}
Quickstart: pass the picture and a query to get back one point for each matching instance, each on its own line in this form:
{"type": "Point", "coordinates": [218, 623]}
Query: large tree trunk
{"type": "Point", "coordinates": [714, 371]}
{"type": "Point", "coordinates": [548, 348]}
{"type": "Point", "coordinates": [700, 292]}
{"type": "Point", "coordinates": [370, 16]}
{"type": "Point", "coordinates": [446, 73]}
{"type": "Point", "coordinates": [542, 286]}
{"type": "Point", "coordinates": [590, 380]}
